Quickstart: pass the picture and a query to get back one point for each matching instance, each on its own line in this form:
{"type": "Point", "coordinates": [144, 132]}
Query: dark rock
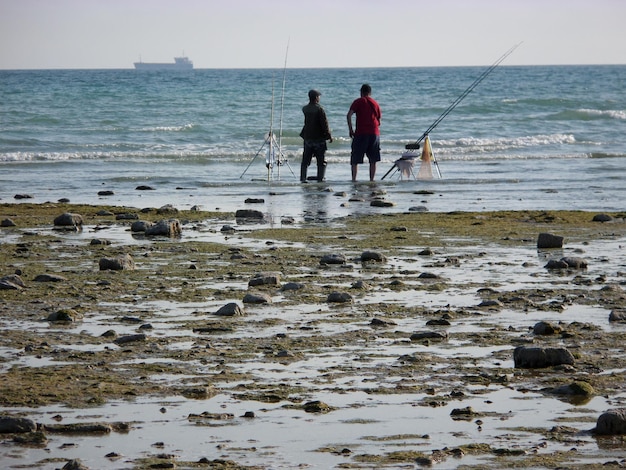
{"type": "Point", "coordinates": [140, 226]}
{"type": "Point", "coordinates": [611, 423]}
{"type": "Point", "coordinates": [556, 264]}
{"type": "Point", "coordinates": [333, 259]}
{"type": "Point", "coordinates": [75, 464]}
{"type": "Point", "coordinates": [64, 315]}
{"type": "Point", "coordinates": [230, 310]}
{"type": "Point", "coordinates": [378, 323]}
{"type": "Point", "coordinates": [130, 339]}
{"type": "Point", "coordinates": [69, 220]}
{"type": "Point", "coordinates": [617, 315]}
{"type": "Point", "coordinates": [253, 200]}
{"type": "Point", "coordinates": [258, 298]}
{"type": "Point", "coordinates": [434, 335]}
{"type": "Point", "coordinates": [545, 328]}
{"type": "Point", "coordinates": [292, 286]}
{"type": "Point", "coordinates": [99, 241]}
{"type": "Point", "coordinates": [360, 284]}
{"type": "Point", "coordinates": [106, 193]}
{"type": "Point", "coordinates": [124, 262]}
{"type": "Point", "coordinates": [602, 218]}
{"type": "Point", "coordinates": [382, 203]}
{"type": "Point", "coordinates": [11, 282]}
{"type": "Point", "coordinates": [9, 424]}
{"type": "Point", "coordinates": [78, 428]}
{"type": "Point", "coordinates": [7, 223]}
{"type": "Point", "coordinates": [463, 413]}
{"type": "Point", "coordinates": [373, 256]}
{"type": "Point", "coordinates": [316, 406]}
{"type": "Point", "coordinates": [249, 214]}
{"type": "Point", "coordinates": [143, 187]}
{"type": "Point", "coordinates": [339, 297]}
{"type": "Point", "coordinates": [49, 278]}
{"type": "Point", "coordinates": [23, 196]}
{"type": "Point", "coordinates": [547, 240]}
{"type": "Point", "coordinates": [166, 228]}
{"type": "Point", "coordinates": [265, 279]}
{"type": "Point", "coordinates": [537, 358]}
{"type": "Point", "coordinates": [568, 262]}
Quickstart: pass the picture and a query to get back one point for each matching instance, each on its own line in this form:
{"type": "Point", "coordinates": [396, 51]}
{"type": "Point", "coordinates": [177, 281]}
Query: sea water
{"type": "Point", "coordinates": [541, 137]}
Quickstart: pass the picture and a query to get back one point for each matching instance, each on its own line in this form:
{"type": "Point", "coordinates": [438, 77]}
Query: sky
{"type": "Point", "coordinates": [53, 34]}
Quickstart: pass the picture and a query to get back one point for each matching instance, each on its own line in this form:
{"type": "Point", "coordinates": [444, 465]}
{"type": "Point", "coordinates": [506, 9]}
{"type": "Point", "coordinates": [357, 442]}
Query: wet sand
{"type": "Point", "coordinates": [330, 371]}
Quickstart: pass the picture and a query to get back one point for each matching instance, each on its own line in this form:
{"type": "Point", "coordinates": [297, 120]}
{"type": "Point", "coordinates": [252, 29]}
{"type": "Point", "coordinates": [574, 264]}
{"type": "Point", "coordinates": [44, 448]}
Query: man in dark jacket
{"type": "Point", "coordinates": [315, 134]}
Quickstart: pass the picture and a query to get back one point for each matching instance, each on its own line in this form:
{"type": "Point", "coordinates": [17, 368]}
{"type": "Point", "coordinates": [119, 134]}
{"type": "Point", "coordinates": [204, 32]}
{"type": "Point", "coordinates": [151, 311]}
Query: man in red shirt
{"type": "Point", "coordinates": [366, 138]}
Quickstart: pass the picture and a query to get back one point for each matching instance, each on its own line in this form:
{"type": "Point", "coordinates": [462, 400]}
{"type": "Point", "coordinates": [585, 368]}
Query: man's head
{"type": "Point", "coordinates": [314, 95]}
{"type": "Point", "coordinates": [366, 90]}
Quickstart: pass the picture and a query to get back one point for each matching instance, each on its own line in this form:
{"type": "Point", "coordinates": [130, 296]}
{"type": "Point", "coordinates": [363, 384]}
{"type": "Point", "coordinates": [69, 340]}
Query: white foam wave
{"type": "Point", "coordinates": [184, 127]}
{"type": "Point", "coordinates": [613, 114]}
{"type": "Point", "coordinates": [489, 145]}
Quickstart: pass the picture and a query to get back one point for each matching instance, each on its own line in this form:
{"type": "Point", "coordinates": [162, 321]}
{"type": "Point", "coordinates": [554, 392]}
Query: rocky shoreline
{"type": "Point", "coordinates": [95, 297]}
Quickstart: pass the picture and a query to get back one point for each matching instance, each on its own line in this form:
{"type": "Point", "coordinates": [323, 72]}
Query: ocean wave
{"type": "Point", "coordinates": [487, 145]}
{"type": "Point", "coordinates": [584, 114]}
{"type": "Point", "coordinates": [183, 128]}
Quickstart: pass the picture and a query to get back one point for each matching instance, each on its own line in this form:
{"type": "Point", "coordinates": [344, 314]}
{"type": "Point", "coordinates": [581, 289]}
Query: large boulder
{"type": "Point", "coordinates": [538, 358]}
{"type": "Point", "coordinates": [166, 228]}
{"type": "Point", "coordinates": [333, 258]}
{"type": "Point", "coordinates": [612, 422]}
{"type": "Point", "coordinates": [9, 424]}
{"type": "Point", "coordinates": [69, 220]}
{"type": "Point", "coordinates": [123, 262]}
{"type": "Point", "coordinates": [231, 309]}
{"type": "Point", "coordinates": [547, 240]}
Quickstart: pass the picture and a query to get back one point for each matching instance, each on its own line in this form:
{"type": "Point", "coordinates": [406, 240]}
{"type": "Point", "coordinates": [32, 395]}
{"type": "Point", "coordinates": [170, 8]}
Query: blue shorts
{"type": "Point", "coordinates": [367, 144]}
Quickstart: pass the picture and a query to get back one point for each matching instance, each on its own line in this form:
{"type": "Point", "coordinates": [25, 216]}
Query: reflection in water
{"type": "Point", "coordinates": [315, 204]}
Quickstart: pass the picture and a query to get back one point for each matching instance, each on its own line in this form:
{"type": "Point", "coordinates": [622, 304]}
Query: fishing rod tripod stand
{"type": "Point", "coordinates": [274, 157]}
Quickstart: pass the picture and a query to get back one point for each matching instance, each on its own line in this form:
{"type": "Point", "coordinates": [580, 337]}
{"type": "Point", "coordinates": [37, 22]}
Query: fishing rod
{"type": "Point", "coordinates": [415, 145]}
{"type": "Point", "coordinates": [282, 101]}
{"type": "Point", "coordinates": [274, 153]}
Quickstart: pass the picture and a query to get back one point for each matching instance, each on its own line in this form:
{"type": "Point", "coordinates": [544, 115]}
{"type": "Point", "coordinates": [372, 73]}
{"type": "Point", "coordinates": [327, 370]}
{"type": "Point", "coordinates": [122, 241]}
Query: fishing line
{"type": "Point", "coordinates": [415, 145]}
{"type": "Point", "coordinates": [469, 89]}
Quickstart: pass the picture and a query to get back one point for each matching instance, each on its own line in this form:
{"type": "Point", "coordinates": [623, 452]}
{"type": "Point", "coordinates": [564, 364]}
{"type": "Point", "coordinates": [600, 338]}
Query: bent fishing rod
{"type": "Point", "coordinates": [415, 145]}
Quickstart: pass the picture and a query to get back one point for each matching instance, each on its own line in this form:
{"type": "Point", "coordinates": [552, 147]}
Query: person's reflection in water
{"type": "Point", "coordinates": [315, 203]}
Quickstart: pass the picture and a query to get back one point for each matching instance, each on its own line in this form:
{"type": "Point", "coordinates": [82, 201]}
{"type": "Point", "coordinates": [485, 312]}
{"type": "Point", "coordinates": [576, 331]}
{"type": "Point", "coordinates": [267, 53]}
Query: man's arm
{"type": "Point", "coordinates": [349, 116]}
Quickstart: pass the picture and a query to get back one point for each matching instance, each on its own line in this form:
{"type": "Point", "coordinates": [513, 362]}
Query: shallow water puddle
{"type": "Point", "coordinates": [280, 437]}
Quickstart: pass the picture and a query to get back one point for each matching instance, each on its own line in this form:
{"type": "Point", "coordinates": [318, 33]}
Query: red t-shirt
{"type": "Point", "coordinates": [367, 116]}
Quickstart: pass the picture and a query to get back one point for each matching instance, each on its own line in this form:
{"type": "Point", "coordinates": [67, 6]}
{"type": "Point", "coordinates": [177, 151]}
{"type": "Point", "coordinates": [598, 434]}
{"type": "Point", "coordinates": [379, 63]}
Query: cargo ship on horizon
{"type": "Point", "coordinates": [180, 63]}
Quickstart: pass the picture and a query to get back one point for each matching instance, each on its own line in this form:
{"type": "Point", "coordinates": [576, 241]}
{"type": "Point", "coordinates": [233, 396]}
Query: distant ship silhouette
{"type": "Point", "coordinates": [180, 63]}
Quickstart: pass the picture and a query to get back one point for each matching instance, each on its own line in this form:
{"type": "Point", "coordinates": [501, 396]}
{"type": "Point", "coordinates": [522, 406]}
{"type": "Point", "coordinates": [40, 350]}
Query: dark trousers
{"type": "Point", "coordinates": [317, 150]}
